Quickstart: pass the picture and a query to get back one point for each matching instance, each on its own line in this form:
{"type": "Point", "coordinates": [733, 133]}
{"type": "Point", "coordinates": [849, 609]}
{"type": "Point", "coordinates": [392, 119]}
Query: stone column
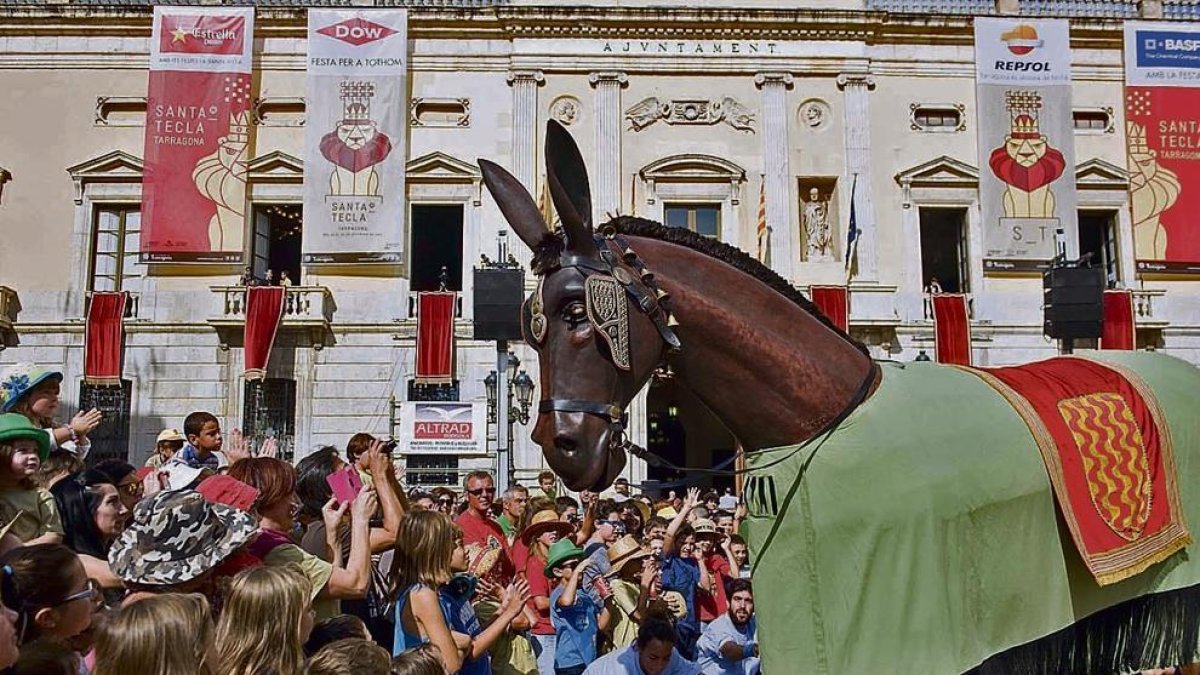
{"type": "Point", "coordinates": [606, 178]}
{"type": "Point", "coordinates": [785, 235]}
{"type": "Point", "coordinates": [857, 102]}
{"type": "Point", "coordinates": [525, 85]}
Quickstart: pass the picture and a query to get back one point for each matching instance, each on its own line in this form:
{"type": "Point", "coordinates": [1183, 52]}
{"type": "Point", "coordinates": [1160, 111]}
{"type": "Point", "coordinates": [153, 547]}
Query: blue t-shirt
{"type": "Point", "coordinates": [576, 627]}
{"type": "Point", "coordinates": [460, 616]}
{"type": "Point", "coordinates": [191, 456]}
{"type": "Point", "coordinates": [683, 575]}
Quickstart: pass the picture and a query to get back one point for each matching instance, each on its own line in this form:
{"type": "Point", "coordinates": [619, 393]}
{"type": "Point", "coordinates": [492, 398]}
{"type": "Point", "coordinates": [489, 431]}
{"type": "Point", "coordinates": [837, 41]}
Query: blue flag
{"type": "Point", "coordinates": [852, 232]}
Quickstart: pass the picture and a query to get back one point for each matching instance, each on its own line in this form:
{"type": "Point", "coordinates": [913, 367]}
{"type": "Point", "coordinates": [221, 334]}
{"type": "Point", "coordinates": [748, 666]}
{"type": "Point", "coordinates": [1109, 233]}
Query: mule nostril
{"type": "Point", "coordinates": [565, 444]}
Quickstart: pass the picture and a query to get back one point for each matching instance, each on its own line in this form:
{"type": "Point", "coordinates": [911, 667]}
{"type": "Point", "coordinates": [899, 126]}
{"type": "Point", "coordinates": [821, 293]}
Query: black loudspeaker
{"type": "Point", "coordinates": [1074, 302]}
{"type": "Point", "coordinates": [498, 297]}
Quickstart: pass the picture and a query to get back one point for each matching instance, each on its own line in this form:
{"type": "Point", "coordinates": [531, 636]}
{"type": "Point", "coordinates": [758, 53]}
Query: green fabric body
{"type": "Point", "coordinates": [924, 537]}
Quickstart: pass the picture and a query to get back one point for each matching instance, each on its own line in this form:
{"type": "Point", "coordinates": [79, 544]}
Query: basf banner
{"type": "Point", "coordinates": [198, 135]}
{"type": "Point", "coordinates": [356, 116]}
{"type": "Point", "coordinates": [1162, 136]}
{"type": "Point", "coordinates": [1026, 141]}
{"type": "Point", "coordinates": [450, 428]}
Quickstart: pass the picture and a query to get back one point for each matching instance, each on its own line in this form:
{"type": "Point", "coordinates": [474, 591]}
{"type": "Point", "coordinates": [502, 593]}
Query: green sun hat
{"type": "Point", "coordinates": [561, 551]}
{"type": "Point", "coordinates": [19, 379]}
{"type": "Point", "coordinates": [15, 426]}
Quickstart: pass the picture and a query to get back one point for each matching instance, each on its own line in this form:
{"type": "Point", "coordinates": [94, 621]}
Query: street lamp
{"type": "Point", "coordinates": [524, 387]}
{"type": "Point", "coordinates": [520, 394]}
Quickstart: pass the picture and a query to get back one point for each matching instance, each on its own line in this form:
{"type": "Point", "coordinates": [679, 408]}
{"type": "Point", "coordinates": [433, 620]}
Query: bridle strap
{"type": "Point", "coordinates": [606, 410]}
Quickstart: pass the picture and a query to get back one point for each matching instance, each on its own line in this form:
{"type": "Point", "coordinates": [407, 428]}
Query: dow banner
{"type": "Point", "coordinates": [354, 152]}
{"type": "Point", "coordinates": [198, 135]}
{"type": "Point", "coordinates": [1162, 136]}
{"type": "Point", "coordinates": [1026, 142]}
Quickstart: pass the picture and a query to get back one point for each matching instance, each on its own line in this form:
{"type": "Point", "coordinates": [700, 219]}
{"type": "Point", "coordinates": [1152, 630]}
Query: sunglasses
{"type": "Point", "coordinates": [92, 592]}
{"type": "Point", "coordinates": [618, 528]}
{"type": "Point", "coordinates": [135, 489]}
{"type": "Point", "coordinates": [446, 501]}
{"type": "Point", "coordinates": [478, 491]}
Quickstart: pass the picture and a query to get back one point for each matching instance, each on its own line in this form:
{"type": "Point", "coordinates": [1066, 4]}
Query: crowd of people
{"type": "Point", "coordinates": [217, 557]}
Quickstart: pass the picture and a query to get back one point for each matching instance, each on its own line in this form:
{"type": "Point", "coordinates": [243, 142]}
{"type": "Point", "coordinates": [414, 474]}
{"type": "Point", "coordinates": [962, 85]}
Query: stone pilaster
{"type": "Point", "coordinates": [785, 236]}
{"type": "Point", "coordinates": [606, 181]}
{"type": "Point", "coordinates": [525, 85]}
{"type": "Point", "coordinates": [856, 90]}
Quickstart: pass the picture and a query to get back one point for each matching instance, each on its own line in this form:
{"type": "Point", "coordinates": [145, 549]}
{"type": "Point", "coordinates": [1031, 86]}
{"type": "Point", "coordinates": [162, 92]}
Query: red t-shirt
{"type": "Point", "coordinates": [710, 606]}
{"type": "Point", "coordinates": [539, 586]}
{"type": "Point", "coordinates": [487, 533]}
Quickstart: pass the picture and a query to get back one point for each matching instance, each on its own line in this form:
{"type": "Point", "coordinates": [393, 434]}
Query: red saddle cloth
{"type": "Point", "coordinates": [1108, 451]}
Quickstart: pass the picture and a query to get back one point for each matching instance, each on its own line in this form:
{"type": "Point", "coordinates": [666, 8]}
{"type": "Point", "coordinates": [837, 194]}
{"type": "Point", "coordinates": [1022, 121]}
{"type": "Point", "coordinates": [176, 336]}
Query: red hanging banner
{"type": "Point", "coordinates": [951, 329]}
{"type": "Point", "coordinates": [834, 302]}
{"type": "Point", "coordinates": [104, 337]}
{"type": "Point", "coordinates": [198, 135]}
{"type": "Point", "coordinates": [435, 337]}
{"type": "Point", "coordinates": [1119, 331]}
{"type": "Point", "coordinates": [264, 311]}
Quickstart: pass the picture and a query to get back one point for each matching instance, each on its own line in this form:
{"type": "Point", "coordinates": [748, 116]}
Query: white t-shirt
{"type": "Point", "coordinates": [79, 449]}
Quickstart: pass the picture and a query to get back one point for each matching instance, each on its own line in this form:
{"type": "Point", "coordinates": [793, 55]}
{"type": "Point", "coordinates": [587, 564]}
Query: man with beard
{"type": "Point", "coordinates": [653, 653]}
{"type": "Point", "coordinates": [479, 527]}
{"type": "Point", "coordinates": [729, 645]}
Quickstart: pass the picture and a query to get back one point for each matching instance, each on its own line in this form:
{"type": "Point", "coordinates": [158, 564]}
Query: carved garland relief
{"type": "Point", "coordinates": [691, 112]}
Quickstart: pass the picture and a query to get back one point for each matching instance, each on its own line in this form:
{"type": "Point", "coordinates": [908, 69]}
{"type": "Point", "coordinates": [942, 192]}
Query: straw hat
{"type": "Point", "coordinates": [543, 522]}
{"type": "Point", "coordinates": [705, 529]}
{"type": "Point", "coordinates": [624, 551]}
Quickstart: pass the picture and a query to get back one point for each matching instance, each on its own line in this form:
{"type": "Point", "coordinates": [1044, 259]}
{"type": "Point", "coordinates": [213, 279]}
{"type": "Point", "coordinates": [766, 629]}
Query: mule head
{"type": "Point", "coordinates": [596, 348]}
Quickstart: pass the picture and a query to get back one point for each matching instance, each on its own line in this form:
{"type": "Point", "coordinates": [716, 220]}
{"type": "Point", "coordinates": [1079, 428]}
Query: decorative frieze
{"type": "Point", "coordinates": [691, 111]}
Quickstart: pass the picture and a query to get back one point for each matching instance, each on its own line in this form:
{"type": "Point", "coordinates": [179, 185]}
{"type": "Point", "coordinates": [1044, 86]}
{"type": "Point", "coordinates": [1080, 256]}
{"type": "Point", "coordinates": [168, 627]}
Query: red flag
{"type": "Point", "coordinates": [1119, 331]}
{"type": "Point", "coordinates": [951, 329]}
{"type": "Point", "coordinates": [834, 302]}
{"type": "Point", "coordinates": [435, 337]}
{"type": "Point", "coordinates": [264, 311]}
{"type": "Point", "coordinates": [104, 335]}
{"type": "Point", "coordinates": [764, 232]}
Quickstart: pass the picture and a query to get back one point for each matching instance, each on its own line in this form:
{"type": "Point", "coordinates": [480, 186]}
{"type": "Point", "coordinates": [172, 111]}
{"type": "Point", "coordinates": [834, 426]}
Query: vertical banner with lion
{"type": "Point", "coordinates": [354, 151]}
{"type": "Point", "coordinates": [1162, 135]}
{"type": "Point", "coordinates": [1026, 142]}
{"type": "Point", "coordinates": [198, 135]}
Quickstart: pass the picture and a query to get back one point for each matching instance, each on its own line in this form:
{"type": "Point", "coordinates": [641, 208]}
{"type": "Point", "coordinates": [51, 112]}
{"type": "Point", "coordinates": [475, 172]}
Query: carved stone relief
{"type": "Point", "coordinates": [565, 110]}
{"type": "Point", "coordinates": [691, 112]}
{"type": "Point", "coordinates": [814, 114]}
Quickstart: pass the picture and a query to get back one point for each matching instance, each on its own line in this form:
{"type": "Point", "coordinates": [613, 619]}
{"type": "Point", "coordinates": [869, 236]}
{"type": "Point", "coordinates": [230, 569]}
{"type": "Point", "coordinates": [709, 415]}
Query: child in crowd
{"type": "Point", "coordinates": [576, 617]}
{"type": "Point", "coordinates": [427, 543]}
{"type": "Point", "coordinates": [169, 442]}
{"type": "Point", "coordinates": [204, 441]}
{"type": "Point", "coordinates": [50, 592]}
{"type": "Point", "coordinates": [355, 656]}
{"type": "Point", "coordinates": [33, 392]}
{"type": "Point", "coordinates": [333, 629]}
{"type": "Point", "coordinates": [683, 573]}
{"type": "Point", "coordinates": [422, 660]}
{"type": "Point", "coordinates": [59, 465]}
{"type": "Point", "coordinates": [27, 510]}
{"type": "Point", "coordinates": [164, 634]}
{"type": "Point", "coordinates": [267, 618]}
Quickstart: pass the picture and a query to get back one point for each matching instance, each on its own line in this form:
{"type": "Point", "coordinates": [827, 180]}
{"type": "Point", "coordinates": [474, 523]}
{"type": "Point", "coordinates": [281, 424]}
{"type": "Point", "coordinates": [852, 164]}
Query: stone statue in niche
{"type": "Point", "coordinates": [817, 234]}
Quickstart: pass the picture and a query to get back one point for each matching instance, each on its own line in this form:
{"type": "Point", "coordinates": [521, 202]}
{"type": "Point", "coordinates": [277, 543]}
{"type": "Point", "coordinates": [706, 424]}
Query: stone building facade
{"type": "Point", "coordinates": [687, 112]}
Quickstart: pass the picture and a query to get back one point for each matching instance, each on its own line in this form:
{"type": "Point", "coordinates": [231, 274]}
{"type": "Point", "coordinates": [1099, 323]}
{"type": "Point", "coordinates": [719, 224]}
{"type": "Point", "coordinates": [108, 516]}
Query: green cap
{"type": "Point", "coordinates": [15, 426]}
{"type": "Point", "coordinates": [560, 551]}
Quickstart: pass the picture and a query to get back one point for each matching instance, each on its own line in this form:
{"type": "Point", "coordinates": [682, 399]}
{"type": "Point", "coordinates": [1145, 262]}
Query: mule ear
{"type": "Point", "coordinates": [515, 203]}
{"type": "Point", "coordinates": [569, 188]}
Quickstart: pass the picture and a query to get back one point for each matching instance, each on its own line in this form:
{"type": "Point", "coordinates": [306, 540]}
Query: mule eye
{"type": "Point", "coordinates": [575, 312]}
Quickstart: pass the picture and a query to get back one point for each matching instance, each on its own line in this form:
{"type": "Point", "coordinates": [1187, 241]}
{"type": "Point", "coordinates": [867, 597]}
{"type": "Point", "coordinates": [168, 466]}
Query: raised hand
{"type": "Point", "coordinates": [364, 504]}
{"type": "Point", "coordinates": [237, 448]}
{"type": "Point", "coordinates": [84, 422]}
{"type": "Point", "coordinates": [269, 447]}
{"type": "Point", "coordinates": [692, 500]}
{"type": "Point", "coordinates": [515, 597]}
{"type": "Point", "coordinates": [332, 513]}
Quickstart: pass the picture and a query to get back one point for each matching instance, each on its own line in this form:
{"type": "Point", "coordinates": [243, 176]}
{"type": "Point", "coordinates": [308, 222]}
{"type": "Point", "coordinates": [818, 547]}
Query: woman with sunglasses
{"type": "Point", "coordinates": [50, 592]}
{"type": "Point", "coordinates": [124, 476]}
{"type": "Point", "coordinates": [93, 516]}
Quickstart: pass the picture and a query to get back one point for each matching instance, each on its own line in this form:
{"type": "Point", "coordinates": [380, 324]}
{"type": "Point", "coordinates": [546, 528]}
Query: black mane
{"type": "Point", "coordinates": [730, 255]}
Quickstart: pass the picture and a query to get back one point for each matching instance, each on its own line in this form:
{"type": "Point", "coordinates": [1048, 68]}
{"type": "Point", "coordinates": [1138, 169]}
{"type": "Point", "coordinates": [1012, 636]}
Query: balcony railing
{"type": "Point", "coordinates": [304, 308]}
{"type": "Point", "coordinates": [1144, 301]}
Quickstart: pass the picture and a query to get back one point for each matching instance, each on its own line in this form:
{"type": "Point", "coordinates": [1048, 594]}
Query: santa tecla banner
{"type": "Point", "coordinates": [1162, 135]}
{"type": "Point", "coordinates": [1026, 142]}
{"type": "Point", "coordinates": [354, 152]}
{"type": "Point", "coordinates": [198, 135]}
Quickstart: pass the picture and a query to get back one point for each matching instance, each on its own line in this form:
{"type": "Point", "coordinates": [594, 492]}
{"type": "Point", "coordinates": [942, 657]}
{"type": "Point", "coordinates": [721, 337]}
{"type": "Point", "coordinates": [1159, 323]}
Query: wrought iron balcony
{"type": "Point", "coordinates": [308, 308]}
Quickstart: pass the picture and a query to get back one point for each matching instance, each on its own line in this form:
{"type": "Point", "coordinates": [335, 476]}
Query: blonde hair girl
{"type": "Point", "coordinates": [266, 620]}
{"type": "Point", "coordinates": [162, 634]}
{"type": "Point", "coordinates": [427, 546]}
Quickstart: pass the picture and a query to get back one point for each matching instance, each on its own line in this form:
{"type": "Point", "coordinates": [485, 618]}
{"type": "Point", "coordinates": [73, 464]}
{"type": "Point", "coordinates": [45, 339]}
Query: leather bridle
{"type": "Point", "coordinates": [608, 320]}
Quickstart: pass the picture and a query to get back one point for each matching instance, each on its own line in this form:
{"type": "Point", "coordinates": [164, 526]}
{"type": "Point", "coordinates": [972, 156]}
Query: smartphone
{"type": "Point", "coordinates": [343, 490]}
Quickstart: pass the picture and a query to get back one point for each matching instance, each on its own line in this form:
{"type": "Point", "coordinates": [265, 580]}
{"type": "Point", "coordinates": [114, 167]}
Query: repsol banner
{"type": "Point", "coordinates": [1026, 142]}
{"type": "Point", "coordinates": [1162, 136]}
{"type": "Point", "coordinates": [199, 135]}
{"type": "Point", "coordinates": [356, 113]}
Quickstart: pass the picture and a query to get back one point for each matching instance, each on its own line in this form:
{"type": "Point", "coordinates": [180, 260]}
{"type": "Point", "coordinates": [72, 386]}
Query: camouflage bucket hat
{"type": "Point", "coordinates": [175, 536]}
